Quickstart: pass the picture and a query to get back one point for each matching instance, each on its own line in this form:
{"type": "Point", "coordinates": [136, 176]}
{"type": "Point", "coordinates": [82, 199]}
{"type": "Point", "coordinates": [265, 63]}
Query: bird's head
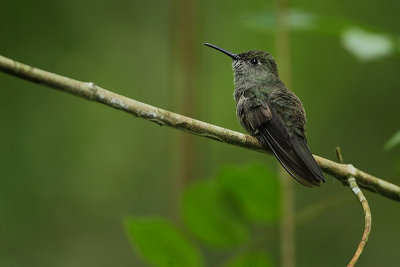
{"type": "Point", "coordinates": [252, 66]}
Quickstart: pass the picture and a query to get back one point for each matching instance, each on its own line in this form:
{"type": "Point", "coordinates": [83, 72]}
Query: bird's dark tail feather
{"type": "Point", "coordinates": [295, 157]}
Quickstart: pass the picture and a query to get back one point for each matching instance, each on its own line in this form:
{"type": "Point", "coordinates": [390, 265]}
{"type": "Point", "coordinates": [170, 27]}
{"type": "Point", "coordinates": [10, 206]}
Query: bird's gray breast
{"type": "Point", "coordinates": [242, 105]}
{"type": "Point", "coordinates": [251, 112]}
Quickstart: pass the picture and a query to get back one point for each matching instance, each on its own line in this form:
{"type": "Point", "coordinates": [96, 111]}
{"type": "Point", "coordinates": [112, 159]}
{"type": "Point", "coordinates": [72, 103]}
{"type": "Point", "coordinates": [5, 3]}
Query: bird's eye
{"type": "Point", "coordinates": [254, 61]}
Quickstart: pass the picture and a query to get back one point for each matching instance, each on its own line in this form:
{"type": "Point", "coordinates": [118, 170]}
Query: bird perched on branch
{"type": "Point", "coordinates": [272, 113]}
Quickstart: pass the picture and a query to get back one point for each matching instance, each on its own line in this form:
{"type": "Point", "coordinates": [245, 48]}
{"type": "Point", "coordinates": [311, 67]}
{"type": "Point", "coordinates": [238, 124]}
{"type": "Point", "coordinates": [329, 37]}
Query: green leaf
{"type": "Point", "coordinates": [158, 242]}
{"type": "Point", "coordinates": [367, 46]}
{"type": "Point", "coordinates": [212, 216]}
{"type": "Point", "coordinates": [363, 41]}
{"type": "Point", "coordinates": [251, 260]}
{"type": "Point", "coordinates": [393, 141]}
{"type": "Point", "coordinates": [300, 21]}
{"type": "Point", "coordinates": [256, 189]}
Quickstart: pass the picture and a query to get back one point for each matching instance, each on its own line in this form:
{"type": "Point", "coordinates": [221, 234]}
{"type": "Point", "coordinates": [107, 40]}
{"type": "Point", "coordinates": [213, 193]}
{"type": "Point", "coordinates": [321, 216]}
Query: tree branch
{"type": "Point", "coordinates": [90, 91]}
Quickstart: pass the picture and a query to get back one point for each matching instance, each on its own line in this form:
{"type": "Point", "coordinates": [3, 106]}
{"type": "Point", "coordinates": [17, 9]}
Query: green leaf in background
{"type": "Point", "coordinates": [362, 41]}
{"type": "Point", "coordinates": [256, 189]}
{"type": "Point", "coordinates": [367, 46]}
{"type": "Point", "coordinates": [393, 141]}
{"type": "Point", "coordinates": [300, 21]}
{"type": "Point", "coordinates": [158, 242]}
{"type": "Point", "coordinates": [251, 260]}
{"type": "Point", "coordinates": [297, 20]}
{"type": "Point", "coordinates": [212, 217]}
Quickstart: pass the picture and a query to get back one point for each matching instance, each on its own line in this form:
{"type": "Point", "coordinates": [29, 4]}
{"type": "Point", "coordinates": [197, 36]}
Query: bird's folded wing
{"type": "Point", "coordinates": [291, 151]}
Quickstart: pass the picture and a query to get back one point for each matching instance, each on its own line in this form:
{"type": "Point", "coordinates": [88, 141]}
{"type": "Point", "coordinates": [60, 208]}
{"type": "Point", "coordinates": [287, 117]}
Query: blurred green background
{"type": "Point", "coordinates": [72, 171]}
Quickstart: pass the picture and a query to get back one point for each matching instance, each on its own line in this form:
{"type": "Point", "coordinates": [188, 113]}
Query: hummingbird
{"type": "Point", "coordinates": [273, 114]}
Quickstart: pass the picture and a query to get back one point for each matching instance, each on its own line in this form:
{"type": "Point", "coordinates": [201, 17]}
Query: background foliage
{"type": "Point", "coordinates": [73, 172]}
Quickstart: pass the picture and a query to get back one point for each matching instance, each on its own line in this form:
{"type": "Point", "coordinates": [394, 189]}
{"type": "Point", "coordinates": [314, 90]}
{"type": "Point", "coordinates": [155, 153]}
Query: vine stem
{"type": "Point", "coordinates": [351, 181]}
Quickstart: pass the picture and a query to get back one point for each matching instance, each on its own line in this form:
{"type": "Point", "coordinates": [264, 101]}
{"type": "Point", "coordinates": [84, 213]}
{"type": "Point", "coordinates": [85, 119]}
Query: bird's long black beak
{"type": "Point", "coordinates": [232, 55]}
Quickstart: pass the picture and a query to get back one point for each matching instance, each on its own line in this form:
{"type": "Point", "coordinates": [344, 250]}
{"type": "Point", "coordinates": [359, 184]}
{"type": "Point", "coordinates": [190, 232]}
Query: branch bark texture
{"type": "Point", "coordinates": [92, 92]}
